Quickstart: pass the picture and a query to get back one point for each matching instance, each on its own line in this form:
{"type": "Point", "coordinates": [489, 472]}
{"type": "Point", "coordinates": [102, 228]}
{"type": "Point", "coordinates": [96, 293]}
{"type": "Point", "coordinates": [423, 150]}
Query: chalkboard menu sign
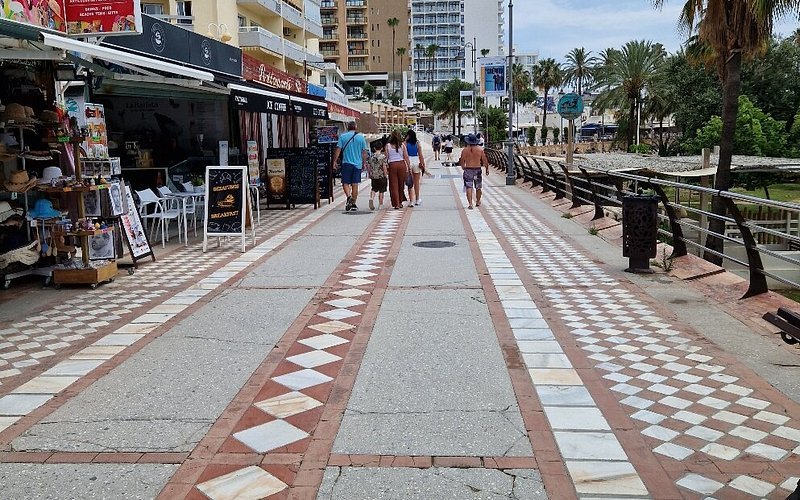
{"type": "Point", "coordinates": [302, 179]}
{"type": "Point", "coordinates": [323, 155]}
{"type": "Point", "coordinates": [226, 195]}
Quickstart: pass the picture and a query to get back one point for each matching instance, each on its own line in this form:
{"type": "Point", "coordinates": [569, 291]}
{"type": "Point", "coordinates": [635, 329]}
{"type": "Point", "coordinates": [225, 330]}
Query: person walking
{"type": "Point", "coordinates": [473, 157]}
{"type": "Point", "coordinates": [417, 161]}
{"type": "Point", "coordinates": [353, 148]}
{"type": "Point", "coordinates": [378, 174]}
{"type": "Point", "coordinates": [399, 168]}
{"type": "Point", "coordinates": [437, 146]}
{"type": "Point", "coordinates": [448, 148]}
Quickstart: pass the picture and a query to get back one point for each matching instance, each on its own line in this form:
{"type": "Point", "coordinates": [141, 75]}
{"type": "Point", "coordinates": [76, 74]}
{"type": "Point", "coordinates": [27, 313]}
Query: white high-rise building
{"type": "Point", "coordinates": [442, 23]}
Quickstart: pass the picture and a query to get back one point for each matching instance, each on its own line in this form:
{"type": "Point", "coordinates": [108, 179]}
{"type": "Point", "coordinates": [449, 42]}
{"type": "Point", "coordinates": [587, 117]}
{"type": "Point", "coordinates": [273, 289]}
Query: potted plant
{"type": "Point", "coordinates": [198, 183]}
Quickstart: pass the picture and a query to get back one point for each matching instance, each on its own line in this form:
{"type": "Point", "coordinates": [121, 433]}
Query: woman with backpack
{"type": "Point", "coordinates": [437, 146]}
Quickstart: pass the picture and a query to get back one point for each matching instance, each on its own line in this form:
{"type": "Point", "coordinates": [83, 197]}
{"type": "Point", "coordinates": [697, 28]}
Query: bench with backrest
{"type": "Point", "coordinates": [789, 323]}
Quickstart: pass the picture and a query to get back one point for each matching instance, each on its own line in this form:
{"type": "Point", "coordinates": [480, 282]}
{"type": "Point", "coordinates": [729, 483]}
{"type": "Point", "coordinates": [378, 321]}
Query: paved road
{"type": "Point", "coordinates": [431, 352]}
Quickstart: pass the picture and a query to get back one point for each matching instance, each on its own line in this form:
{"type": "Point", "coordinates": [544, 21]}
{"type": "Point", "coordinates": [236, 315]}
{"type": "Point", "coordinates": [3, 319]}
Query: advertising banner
{"type": "Point", "coordinates": [109, 17]}
{"type": "Point", "coordinates": [493, 76]}
{"type": "Point", "coordinates": [252, 163]}
{"type": "Point", "coordinates": [328, 135]}
{"type": "Point", "coordinates": [44, 13]}
{"type": "Point", "coordinates": [276, 181]}
{"type": "Point", "coordinates": [96, 144]}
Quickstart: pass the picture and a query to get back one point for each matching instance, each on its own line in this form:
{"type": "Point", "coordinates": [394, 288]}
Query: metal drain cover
{"type": "Point", "coordinates": [357, 212]}
{"type": "Point", "coordinates": [434, 244]}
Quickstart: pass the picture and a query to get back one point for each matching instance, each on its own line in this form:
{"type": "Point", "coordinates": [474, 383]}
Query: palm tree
{"type": "Point", "coordinates": [578, 69]}
{"type": "Point", "coordinates": [485, 52]}
{"type": "Point", "coordinates": [547, 75]}
{"type": "Point", "coordinates": [626, 75]}
{"type": "Point", "coordinates": [733, 31]}
{"type": "Point", "coordinates": [401, 51]}
{"type": "Point", "coordinates": [419, 54]}
{"type": "Point", "coordinates": [393, 22]}
{"type": "Point", "coordinates": [430, 53]}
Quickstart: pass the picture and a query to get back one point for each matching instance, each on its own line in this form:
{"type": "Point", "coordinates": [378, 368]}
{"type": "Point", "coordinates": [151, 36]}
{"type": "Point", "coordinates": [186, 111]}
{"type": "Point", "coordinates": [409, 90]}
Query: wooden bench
{"type": "Point", "coordinates": [789, 323]}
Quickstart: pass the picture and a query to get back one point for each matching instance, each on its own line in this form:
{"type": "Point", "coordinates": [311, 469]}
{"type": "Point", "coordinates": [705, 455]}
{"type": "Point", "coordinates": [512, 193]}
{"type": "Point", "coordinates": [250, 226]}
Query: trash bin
{"type": "Point", "coordinates": [639, 231]}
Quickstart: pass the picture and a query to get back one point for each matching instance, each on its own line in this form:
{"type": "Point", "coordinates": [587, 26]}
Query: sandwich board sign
{"type": "Point", "coordinates": [226, 207]}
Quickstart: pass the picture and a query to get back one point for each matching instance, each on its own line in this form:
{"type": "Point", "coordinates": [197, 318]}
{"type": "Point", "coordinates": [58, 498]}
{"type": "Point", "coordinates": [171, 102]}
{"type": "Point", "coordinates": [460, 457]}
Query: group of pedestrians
{"type": "Point", "coordinates": [399, 162]}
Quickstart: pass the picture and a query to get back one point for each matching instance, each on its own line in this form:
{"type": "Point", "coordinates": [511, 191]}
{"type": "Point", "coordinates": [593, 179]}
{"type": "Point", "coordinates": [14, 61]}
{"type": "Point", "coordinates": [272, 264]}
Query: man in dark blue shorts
{"type": "Point", "coordinates": [353, 148]}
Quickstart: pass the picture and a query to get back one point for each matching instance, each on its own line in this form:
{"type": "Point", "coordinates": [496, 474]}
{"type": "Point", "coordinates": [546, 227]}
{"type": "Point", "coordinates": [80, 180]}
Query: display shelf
{"type": "Point", "coordinates": [74, 189]}
{"type": "Point", "coordinates": [89, 233]}
{"type": "Point", "coordinates": [88, 276]}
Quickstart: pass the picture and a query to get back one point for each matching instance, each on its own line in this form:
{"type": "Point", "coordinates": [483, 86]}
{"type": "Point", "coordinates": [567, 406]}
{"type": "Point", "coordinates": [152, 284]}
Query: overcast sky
{"type": "Point", "coordinates": [554, 27]}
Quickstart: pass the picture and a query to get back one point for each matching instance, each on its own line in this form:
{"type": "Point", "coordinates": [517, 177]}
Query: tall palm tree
{"type": "Point", "coordinates": [393, 22]}
{"type": "Point", "coordinates": [733, 30]}
{"type": "Point", "coordinates": [626, 75]}
{"type": "Point", "coordinates": [430, 53]}
{"type": "Point", "coordinates": [547, 74]}
{"type": "Point", "coordinates": [401, 51]}
{"type": "Point", "coordinates": [578, 68]}
{"type": "Point", "coordinates": [419, 55]}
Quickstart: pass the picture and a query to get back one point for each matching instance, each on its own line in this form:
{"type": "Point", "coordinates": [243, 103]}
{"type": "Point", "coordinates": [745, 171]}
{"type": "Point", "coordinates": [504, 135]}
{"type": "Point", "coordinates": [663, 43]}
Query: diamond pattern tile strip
{"type": "Point", "coordinates": [597, 463]}
{"type": "Point", "coordinates": [278, 433]}
{"type": "Point", "coordinates": [685, 400]}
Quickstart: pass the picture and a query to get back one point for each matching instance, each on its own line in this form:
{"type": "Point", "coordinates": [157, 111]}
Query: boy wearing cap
{"type": "Point", "coordinates": [472, 159]}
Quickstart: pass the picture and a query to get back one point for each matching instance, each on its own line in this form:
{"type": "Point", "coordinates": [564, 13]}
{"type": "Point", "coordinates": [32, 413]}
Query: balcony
{"type": "Point", "coordinates": [272, 6]}
{"type": "Point", "coordinates": [358, 53]}
{"type": "Point", "coordinates": [356, 67]}
{"type": "Point", "coordinates": [330, 53]}
{"type": "Point", "coordinates": [256, 36]}
{"type": "Point", "coordinates": [329, 20]}
{"type": "Point", "coordinates": [328, 4]}
{"type": "Point", "coordinates": [356, 20]}
{"type": "Point", "coordinates": [357, 35]}
{"type": "Point", "coordinates": [355, 3]}
{"type": "Point", "coordinates": [292, 15]}
{"type": "Point", "coordinates": [186, 22]}
{"type": "Point", "coordinates": [301, 54]}
{"type": "Point", "coordinates": [330, 36]}
{"type": "Point", "coordinates": [313, 27]}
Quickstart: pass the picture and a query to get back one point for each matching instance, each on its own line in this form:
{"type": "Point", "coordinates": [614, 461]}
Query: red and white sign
{"type": "Point", "coordinates": [258, 72]}
{"type": "Point", "coordinates": [109, 17]}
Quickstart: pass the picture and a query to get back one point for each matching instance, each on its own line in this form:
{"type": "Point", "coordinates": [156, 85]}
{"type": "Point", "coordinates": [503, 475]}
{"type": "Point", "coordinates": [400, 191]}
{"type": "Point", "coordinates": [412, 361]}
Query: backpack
{"type": "Point", "coordinates": [436, 140]}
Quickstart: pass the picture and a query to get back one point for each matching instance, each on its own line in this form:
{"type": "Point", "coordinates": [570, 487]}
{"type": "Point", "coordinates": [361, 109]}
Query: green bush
{"type": "Point", "coordinates": [640, 148]}
{"type": "Point", "coordinates": [544, 135]}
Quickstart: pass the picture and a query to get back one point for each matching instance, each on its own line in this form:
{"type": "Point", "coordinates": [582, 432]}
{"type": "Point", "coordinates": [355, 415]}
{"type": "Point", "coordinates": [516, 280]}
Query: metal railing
{"type": "Point", "coordinates": [767, 251]}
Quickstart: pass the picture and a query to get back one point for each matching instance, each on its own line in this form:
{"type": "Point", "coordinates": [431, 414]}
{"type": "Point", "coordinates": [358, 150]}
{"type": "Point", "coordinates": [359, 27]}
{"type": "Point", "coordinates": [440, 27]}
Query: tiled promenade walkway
{"type": "Point", "coordinates": [342, 357]}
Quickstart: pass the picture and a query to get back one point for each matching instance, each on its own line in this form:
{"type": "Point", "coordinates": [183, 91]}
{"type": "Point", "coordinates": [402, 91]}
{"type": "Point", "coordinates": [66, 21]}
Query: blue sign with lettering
{"type": "Point", "coordinates": [316, 90]}
{"type": "Point", "coordinates": [570, 106]}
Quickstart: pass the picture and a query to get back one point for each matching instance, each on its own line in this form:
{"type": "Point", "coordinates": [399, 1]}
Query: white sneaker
{"type": "Point", "coordinates": [418, 203]}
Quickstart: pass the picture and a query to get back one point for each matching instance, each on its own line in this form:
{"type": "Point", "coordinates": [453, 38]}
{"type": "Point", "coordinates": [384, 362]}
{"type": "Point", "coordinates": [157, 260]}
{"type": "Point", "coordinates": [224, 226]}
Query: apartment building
{"type": "Point", "coordinates": [449, 26]}
{"type": "Point", "coordinates": [282, 33]}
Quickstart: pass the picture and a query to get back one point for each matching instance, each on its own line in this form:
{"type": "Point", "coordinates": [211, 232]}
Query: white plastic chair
{"type": "Point", "coordinates": [161, 213]}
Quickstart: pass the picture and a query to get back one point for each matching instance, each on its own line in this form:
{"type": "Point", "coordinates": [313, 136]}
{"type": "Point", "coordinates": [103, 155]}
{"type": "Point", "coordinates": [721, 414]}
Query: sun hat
{"type": "Point", "coordinates": [19, 182]}
{"type": "Point", "coordinates": [5, 153]}
{"type": "Point", "coordinates": [6, 211]}
{"type": "Point", "coordinates": [50, 173]}
{"type": "Point", "coordinates": [43, 209]}
{"type": "Point", "coordinates": [471, 139]}
{"type": "Point", "coordinates": [16, 113]}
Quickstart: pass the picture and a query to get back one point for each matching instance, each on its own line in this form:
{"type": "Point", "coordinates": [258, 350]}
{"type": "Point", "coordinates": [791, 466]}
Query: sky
{"type": "Point", "coordinates": [555, 27]}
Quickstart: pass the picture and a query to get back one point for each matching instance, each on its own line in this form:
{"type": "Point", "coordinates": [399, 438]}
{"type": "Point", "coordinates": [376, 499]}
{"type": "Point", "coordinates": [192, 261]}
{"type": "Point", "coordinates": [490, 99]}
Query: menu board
{"type": "Point", "coordinates": [226, 196]}
{"type": "Point", "coordinates": [276, 180]}
{"type": "Point", "coordinates": [301, 176]}
{"type": "Point", "coordinates": [132, 228]}
{"type": "Point", "coordinates": [323, 156]}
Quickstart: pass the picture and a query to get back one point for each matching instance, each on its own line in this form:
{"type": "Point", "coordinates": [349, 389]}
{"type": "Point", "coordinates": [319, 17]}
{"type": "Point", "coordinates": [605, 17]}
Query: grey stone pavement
{"type": "Point", "coordinates": [337, 360]}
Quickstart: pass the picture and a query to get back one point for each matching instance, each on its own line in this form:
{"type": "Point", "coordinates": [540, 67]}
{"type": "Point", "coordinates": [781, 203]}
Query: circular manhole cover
{"type": "Point", "coordinates": [434, 244]}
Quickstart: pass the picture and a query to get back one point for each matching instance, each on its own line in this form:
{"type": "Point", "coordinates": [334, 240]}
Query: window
{"type": "Point", "coordinates": [242, 21]}
{"type": "Point", "coordinates": [184, 8]}
{"type": "Point", "coordinates": [153, 9]}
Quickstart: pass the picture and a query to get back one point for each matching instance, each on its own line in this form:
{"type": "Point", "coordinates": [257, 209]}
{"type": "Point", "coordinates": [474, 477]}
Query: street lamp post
{"type": "Point", "coordinates": [511, 177]}
{"type": "Point", "coordinates": [471, 45]}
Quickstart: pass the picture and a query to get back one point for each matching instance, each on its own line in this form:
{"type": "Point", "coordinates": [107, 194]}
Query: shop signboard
{"type": "Point", "coordinates": [173, 43]}
{"type": "Point", "coordinates": [255, 71]}
{"type": "Point", "coordinates": [258, 101]}
{"type": "Point", "coordinates": [493, 76]}
{"type": "Point", "coordinates": [466, 101]}
{"type": "Point", "coordinates": [317, 90]}
{"type": "Point", "coordinates": [253, 173]}
{"type": "Point", "coordinates": [226, 203]}
{"type": "Point", "coordinates": [328, 135]}
{"type": "Point", "coordinates": [109, 17]}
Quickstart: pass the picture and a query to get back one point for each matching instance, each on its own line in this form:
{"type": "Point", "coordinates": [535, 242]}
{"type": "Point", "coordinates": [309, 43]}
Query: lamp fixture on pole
{"type": "Point", "coordinates": [219, 32]}
{"type": "Point", "coordinates": [511, 177]}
